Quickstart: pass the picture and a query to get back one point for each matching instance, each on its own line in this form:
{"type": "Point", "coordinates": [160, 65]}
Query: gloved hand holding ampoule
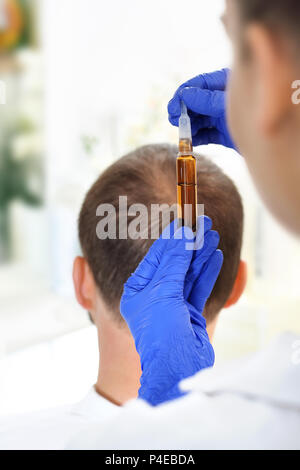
{"type": "Point", "coordinates": [162, 304]}
{"type": "Point", "coordinates": [205, 98]}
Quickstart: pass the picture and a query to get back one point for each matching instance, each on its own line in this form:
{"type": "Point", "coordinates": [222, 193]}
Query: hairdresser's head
{"type": "Point", "coordinates": [148, 176]}
{"type": "Point", "coordinates": [263, 119]}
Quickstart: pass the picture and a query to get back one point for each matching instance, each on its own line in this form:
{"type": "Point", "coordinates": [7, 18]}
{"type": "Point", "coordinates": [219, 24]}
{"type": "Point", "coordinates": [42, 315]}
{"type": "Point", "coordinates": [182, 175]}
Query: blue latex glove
{"type": "Point", "coordinates": [163, 303]}
{"type": "Point", "coordinates": [205, 98]}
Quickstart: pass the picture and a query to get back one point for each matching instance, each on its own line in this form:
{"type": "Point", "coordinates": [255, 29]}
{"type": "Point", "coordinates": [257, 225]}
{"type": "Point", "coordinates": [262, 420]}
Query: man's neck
{"type": "Point", "coordinates": [119, 364]}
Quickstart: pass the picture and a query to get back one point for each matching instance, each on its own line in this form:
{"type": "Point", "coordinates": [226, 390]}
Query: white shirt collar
{"type": "Point", "coordinates": [94, 406]}
{"type": "Point", "coordinates": [272, 374]}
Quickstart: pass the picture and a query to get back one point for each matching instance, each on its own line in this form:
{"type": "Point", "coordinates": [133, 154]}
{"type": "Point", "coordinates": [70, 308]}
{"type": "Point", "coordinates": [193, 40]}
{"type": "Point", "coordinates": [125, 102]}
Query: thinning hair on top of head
{"type": "Point", "coordinates": [148, 176]}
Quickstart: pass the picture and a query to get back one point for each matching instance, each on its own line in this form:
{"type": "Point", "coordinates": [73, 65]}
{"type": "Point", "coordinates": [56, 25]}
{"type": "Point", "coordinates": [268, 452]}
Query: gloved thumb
{"type": "Point", "coordinates": [176, 259]}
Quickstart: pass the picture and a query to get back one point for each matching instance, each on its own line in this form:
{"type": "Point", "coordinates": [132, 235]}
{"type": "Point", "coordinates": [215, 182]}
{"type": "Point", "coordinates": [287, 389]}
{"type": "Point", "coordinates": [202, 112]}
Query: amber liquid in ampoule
{"type": "Point", "coordinates": [187, 185]}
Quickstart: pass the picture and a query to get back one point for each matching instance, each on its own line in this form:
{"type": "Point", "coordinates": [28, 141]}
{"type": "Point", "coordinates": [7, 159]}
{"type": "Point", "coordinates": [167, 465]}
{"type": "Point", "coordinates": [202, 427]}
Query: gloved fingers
{"type": "Point", "coordinates": [210, 244]}
{"type": "Point", "coordinates": [174, 105]}
{"type": "Point", "coordinates": [204, 102]}
{"type": "Point", "coordinates": [209, 136]}
{"type": "Point", "coordinates": [205, 283]}
{"type": "Point", "coordinates": [202, 239]}
{"type": "Point", "coordinates": [198, 323]}
{"type": "Point", "coordinates": [197, 122]}
{"type": "Point", "coordinates": [210, 81]}
{"type": "Point", "coordinates": [204, 225]}
{"type": "Point", "coordinates": [148, 266]}
{"type": "Point", "coordinates": [176, 261]}
{"type": "Point", "coordinates": [216, 80]}
{"type": "Point", "coordinates": [196, 317]}
{"type": "Point", "coordinates": [213, 136]}
{"type": "Point", "coordinates": [201, 122]}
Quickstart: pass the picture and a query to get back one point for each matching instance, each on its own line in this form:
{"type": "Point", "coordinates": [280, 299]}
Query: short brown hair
{"type": "Point", "coordinates": [278, 15]}
{"type": "Point", "coordinates": [148, 176]}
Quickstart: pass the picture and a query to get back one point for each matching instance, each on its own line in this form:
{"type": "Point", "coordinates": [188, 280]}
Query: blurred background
{"type": "Point", "coordinates": [81, 83]}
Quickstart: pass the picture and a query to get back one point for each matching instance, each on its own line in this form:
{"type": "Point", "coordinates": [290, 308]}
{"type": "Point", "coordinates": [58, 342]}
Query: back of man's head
{"type": "Point", "coordinates": [148, 176]}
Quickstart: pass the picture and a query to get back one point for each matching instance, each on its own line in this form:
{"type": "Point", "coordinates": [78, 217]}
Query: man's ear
{"type": "Point", "coordinates": [273, 73]}
{"type": "Point", "coordinates": [84, 284]}
{"type": "Point", "coordinates": [239, 285]}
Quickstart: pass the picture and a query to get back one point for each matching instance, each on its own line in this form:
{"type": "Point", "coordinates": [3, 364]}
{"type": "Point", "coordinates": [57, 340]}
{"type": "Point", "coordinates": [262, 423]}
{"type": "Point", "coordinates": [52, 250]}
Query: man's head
{"type": "Point", "coordinates": [148, 176]}
{"type": "Point", "coordinates": [263, 118]}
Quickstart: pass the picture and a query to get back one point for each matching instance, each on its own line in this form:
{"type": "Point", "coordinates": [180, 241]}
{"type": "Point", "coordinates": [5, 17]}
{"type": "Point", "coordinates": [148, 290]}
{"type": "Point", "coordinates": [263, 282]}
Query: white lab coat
{"type": "Point", "coordinates": [250, 404]}
{"type": "Point", "coordinates": [52, 429]}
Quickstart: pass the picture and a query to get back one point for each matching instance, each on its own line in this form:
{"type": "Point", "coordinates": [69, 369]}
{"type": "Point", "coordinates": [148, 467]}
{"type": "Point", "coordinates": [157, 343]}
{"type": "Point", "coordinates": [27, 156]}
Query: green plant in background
{"type": "Point", "coordinates": [89, 142]}
{"type": "Point", "coordinates": [21, 177]}
{"type": "Point", "coordinates": [21, 171]}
